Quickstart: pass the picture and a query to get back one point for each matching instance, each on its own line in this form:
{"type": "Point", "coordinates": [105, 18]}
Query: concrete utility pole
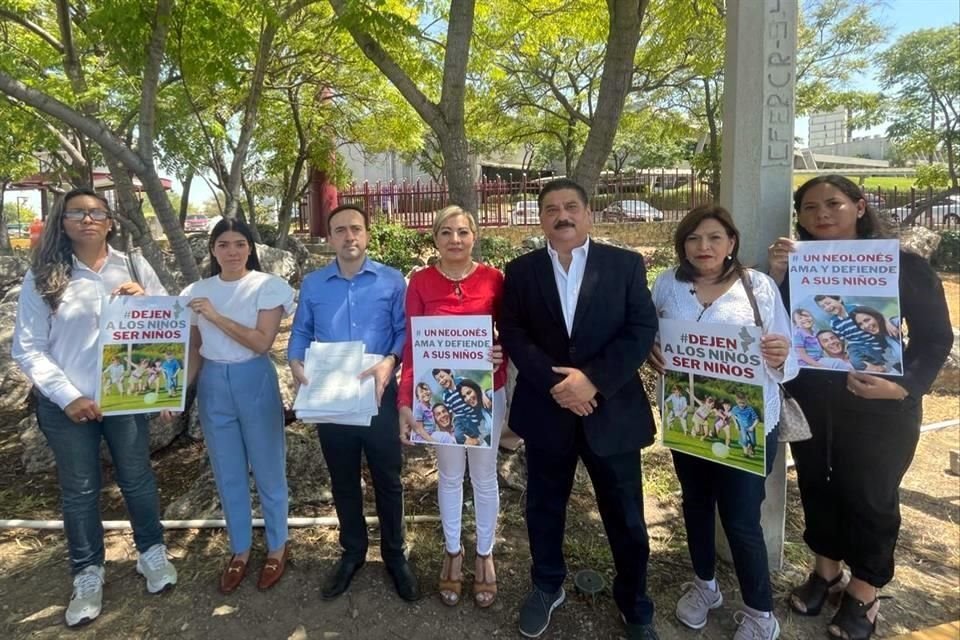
{"type": "Point", "coordinates": [757, 165]}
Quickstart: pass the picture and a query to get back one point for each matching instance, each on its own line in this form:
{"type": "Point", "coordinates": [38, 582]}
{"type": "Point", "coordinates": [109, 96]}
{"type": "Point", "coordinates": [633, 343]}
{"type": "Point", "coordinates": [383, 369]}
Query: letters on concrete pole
{"type": "Point", "coordinates": [756, 180]}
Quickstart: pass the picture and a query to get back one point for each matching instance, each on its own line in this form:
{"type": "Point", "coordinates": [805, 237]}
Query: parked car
{"type": "Point", "coordinates": [525, 212]}
{"type": "Point", "coordinates": [17, 230]}
{"type": "Point", "coordinates": [944, 213]}
{"type": "Point", "coordinates": [195, 223]}
{"type": "Point", "coordinates": [632, 210]}
{"type": "Point", "coordinates": [875, 200]}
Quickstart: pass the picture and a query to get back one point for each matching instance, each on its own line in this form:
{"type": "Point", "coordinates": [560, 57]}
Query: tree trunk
{"type": "Point", "coordinates": [185, 197]}
{"type": "Point", "coordinates": [251, 208]}
{"type": "Point", "coordinates": [615, 84]}
{"type": "Point", "coordinates": [5, 248]}
{"type": "Point", "coordinates": [136, 225]}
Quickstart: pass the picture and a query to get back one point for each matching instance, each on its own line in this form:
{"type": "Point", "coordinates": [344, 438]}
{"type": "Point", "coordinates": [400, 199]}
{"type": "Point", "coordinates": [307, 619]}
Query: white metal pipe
{"type": "Point", "coordinates": [939, 425]}
{"type": "Point", "coordinates": [210, 523]}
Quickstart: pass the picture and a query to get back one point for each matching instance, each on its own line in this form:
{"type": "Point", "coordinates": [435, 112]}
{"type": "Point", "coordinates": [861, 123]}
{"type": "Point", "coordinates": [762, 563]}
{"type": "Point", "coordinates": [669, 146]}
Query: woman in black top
{"type": "Point", "coordinates": [865, 427]}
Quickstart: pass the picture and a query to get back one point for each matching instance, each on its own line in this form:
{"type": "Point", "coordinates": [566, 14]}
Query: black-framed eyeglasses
{"type": "Point", "coordinates": [77, 215]}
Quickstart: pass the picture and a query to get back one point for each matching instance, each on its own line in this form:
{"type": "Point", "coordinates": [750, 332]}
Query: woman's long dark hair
{"type": "Point", "coordinates": [686, 272]}
{"type": "Point", "coordinates": [467, 382]}
{"type": "Point", "coordinates": [869, 224]}
{"type": "Point", "coordinates": [232, 224]}
{"type": "Point", "coordinates": [877, 317]}
{"type": "Point", "coordinates": [52, 261]}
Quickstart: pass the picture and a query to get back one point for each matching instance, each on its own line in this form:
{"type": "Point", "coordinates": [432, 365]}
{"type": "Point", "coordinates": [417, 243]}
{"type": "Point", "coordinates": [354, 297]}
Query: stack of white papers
{"type": "Point", "coordinates": [335, 392]}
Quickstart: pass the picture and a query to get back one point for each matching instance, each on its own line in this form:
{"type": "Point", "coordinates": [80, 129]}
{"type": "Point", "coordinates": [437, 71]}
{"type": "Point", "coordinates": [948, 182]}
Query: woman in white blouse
{"type": "Point", "coordinates": [56, 345]}
{"type": "Point", "coordinates": [708, 286]}
{"type": "Point", "coordinates": [237, 315]}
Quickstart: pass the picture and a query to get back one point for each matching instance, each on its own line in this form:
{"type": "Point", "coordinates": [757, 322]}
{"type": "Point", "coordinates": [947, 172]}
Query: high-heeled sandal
{"type": "Point", "coordinates": [815, 591]}
{"type": "Point", "coordinates": [451, 589]}
{"type": "Point", "coordinates": [851, 621]}
{"type": "Point", "coordinates": [484, 589]}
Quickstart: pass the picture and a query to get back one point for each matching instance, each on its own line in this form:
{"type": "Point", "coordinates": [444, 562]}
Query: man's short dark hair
{"type": "Point", "coordinates": [349, 207]}
{"type": "Point", "coordinates": [558, 185]}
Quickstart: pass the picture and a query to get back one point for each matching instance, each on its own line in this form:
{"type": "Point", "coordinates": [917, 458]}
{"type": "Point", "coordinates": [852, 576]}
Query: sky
{"type": "Point", "coordinates": [903, 16]}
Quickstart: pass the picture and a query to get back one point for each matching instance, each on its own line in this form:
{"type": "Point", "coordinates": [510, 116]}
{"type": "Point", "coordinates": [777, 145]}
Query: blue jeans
{"type": "Point", "coordinates": [241, 413]}
{"type": "Point", "coordinates": [737, 495]}
{"type": "Point", "coordinates": [76, 448]}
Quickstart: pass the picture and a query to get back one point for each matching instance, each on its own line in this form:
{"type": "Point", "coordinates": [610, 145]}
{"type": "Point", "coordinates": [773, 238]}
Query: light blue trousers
{"type": "Point", "coordinates": [242, 417]}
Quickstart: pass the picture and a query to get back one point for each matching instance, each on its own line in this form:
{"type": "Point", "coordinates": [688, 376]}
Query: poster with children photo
{"type": "Point", "coordinates": [712, 393]}
{"type": "Point", "coordinates": [453, 400]}
{"type": "Point", "coordinates": [144, 342]}
{"type": "Point", "coordinates": [845, 306]}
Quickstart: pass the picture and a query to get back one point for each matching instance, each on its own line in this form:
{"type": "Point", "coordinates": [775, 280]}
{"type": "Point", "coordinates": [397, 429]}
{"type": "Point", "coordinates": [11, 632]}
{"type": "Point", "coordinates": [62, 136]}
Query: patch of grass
{"type": "Point", "coordinates": [659, 479]}
{"type": "Point", "coordinates": [24, 504]}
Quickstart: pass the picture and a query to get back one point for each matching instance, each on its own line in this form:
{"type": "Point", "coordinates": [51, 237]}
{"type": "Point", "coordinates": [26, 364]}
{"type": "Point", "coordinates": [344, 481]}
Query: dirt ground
{"type": "Point", "coordinates": [35, 587]}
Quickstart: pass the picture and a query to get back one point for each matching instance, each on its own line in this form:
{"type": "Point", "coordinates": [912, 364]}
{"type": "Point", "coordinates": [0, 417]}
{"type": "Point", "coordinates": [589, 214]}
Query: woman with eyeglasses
{"type": "Point", "coordinates": [457, 285]}
{"type": "Point", "coordinates": [55, 343]}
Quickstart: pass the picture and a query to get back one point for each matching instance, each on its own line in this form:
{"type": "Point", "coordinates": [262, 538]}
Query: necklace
{"type": "Point", "coordinates": [462, 275]}
{"type": "Point", "coordinates": [456, 279]}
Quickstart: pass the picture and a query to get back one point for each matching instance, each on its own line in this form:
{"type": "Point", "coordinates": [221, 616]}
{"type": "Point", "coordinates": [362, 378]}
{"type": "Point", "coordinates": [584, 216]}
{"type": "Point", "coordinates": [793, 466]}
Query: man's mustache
{"type": "Point", "coordinates": [560, 224]}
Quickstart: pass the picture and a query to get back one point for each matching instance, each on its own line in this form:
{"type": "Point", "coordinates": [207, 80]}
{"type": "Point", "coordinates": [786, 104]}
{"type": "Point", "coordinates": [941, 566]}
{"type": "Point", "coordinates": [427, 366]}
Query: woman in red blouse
{"type": "Point", "coordinates": [457, 285]}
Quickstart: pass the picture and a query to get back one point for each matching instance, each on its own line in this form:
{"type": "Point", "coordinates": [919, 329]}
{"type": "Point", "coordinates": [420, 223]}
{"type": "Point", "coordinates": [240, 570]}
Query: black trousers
{"type": "Point", "coordinates": [342, 447]}
{"type": "Point", "coordinates": [618, 485]}
{"type": "Point", "coordinates": [708, 488]}
{"type": "Point", "coordinates": [849, 475]}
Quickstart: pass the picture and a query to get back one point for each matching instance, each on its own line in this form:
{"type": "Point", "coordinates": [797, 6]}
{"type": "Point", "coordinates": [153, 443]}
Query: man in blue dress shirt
{"type": "Point", "coordinates": [355, 298]}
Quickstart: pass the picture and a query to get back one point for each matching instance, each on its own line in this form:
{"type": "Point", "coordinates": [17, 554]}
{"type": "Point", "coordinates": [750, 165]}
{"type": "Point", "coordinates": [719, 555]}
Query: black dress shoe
{"type": "Point", "coordinates": [404, 580]}
{"type": "Point", "coordinates": [340, 579]}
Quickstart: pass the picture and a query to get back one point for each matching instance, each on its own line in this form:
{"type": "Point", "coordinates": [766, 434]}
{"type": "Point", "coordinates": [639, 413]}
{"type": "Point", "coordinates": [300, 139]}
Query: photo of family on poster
{"type": "Point", "coordinates": [719, 420]}
{"type": "Point", "coordinates": [453, 407]}
{"type": "Point", "coordinates": [142, 378]}
{"type": "Point", "coordinates": [848, 333]}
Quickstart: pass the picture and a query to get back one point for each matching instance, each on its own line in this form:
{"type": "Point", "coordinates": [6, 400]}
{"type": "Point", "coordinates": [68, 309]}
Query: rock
{"type": "Point", "coordinates": [12, 294]}
{"type": "Point", "coordinates": [37, 457]}
{"type": "Point", "coordinates": [512, 469]}
{"type": "Point", "coordinates": [919, 240]}
{"type": "Point", "coordinates": [278, 262]}
{"type": "Point", "coordinates": [300, 633]}
{"type": "Point", "coordinates": [12, 270]}
{"type": "Point", "coordinates": [532, 243]}
{"type": "Point", "coordinates": [307, 478]}
{"type": "Point", "coordinates": [14, 386]}
{"type": "Point", "coordinates": [223, 610]}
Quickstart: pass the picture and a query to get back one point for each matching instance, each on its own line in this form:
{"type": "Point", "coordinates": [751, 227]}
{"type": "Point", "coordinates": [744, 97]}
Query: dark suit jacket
{"type": "Point", "coordinates": [613, 331]}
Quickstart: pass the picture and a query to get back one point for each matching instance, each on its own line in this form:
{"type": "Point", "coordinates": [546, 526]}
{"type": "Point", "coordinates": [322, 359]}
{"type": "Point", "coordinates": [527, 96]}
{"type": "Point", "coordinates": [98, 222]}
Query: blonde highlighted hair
{"type": "Point", "coordinates": [449, 212]}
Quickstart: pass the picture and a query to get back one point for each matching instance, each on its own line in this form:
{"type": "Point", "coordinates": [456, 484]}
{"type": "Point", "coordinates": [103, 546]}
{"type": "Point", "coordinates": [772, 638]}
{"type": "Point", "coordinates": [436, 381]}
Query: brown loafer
{"type": "Point", "coordinates": [273, 570]}
{"type": "Point", "coordinates": [232, 575]}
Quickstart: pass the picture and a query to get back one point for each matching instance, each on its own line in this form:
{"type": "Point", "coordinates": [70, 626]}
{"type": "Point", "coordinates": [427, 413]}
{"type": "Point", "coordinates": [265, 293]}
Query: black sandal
{"type": "Point", "coordinates": [851, 619]}
{"type": "Point", "coordinates": [814, 592]}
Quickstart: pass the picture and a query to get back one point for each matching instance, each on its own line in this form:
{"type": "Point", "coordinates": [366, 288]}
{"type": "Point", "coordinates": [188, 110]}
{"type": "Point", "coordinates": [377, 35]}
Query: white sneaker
{"type": "Point", "coordinates": [87, 596]}
{"type": "Point", "coordinates": [755, 628]}
{"type": "Point", "coordinates": [154, 566]}
{"type": "Point", "coordinates": [695, 604]}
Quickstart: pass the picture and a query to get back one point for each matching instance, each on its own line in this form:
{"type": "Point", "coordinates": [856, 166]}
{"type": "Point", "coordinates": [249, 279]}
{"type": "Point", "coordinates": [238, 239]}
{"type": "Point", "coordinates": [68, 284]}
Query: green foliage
{"type": "Point", "coordinates": [923, 67]}
{"type": "Point", "coordinates": [497, 251]}
{"type": "Point", "coordinates": [395, 245]}
{"type": "Point", "coordinates": [932, 176]}
{"type": "Point", "coordinates": [268, 233]}
{"type": "Point", "coordinates": [947, 255]}
{"type": "Point", "coordinates": [660, 260]}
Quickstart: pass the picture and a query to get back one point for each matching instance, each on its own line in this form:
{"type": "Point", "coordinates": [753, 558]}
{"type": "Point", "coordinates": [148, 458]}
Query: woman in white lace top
{"type": "Point", "coordinates": [708, 286]}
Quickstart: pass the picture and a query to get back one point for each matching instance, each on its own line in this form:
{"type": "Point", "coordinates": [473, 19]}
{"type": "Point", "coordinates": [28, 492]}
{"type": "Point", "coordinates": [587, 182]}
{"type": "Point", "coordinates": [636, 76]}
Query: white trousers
{"type": "Point", "coordinates": [452, 465]}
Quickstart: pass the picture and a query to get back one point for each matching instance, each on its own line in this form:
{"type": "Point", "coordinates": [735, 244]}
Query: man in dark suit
{"type": "Point", "coordinates": [578, 321]}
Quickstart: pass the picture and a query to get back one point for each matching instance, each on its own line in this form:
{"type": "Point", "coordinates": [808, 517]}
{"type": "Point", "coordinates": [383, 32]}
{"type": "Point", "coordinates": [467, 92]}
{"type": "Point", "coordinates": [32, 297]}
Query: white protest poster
{"type": "Point", "coordinates": [144, 343]}
{"type": "Point", "coordinates": [453, 380]}
{"type": "Point", "coordinates": [845, 306]}
{"type": "Point", "coordinates": [712, 397]}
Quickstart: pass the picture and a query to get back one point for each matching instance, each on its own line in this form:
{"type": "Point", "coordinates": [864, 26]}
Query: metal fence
{"type": "Point", "coordinates": [626, 197]}
{"type": "Point", "coordinates": [514, 202]}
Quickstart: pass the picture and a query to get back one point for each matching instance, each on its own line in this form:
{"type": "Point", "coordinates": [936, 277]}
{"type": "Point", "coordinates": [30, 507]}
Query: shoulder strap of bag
{"type": "Point", "coordinates": [748, 289]}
